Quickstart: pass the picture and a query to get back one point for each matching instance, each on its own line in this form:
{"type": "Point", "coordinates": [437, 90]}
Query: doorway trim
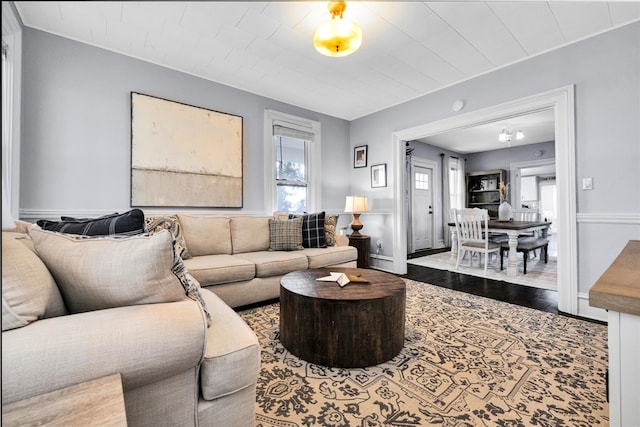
{"type": "Point", "coordinates": [513, 176]}
{"type": "Point", "coordinates": [562, 101]}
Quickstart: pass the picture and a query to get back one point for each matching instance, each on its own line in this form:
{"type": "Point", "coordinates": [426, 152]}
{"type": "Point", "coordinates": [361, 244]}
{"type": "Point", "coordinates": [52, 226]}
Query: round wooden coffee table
{"type": "Point", "coordinates": [358, 325]}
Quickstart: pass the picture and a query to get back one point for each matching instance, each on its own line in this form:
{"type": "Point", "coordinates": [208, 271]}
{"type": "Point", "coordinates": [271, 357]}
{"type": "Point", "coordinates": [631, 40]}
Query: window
{"type": "Point", "coordinates": [292, 163]}
{"type": "Point", "coordinates": [291, 174]}
{"type": "Point", "coordinates": [456, 183]}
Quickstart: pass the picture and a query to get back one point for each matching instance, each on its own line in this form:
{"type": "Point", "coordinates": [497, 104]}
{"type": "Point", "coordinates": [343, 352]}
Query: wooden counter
{"type": "Point", "coordinates": [618, 289]}
{"type": "Point", "coordinates": [93, 403]}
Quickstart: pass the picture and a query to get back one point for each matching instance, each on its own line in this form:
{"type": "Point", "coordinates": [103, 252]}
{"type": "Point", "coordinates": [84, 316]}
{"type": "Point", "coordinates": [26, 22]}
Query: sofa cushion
{"type": "Point", "coordinates": [275, 263]}
{"type": "Point", "coordinates": [312, 230]}
{"type": "Point", "coordinates": [216, 269]}
{"type": "Point", "coordinates": [206, 235]}
{"type": "Point", "coordinates": [285, 235]}
{"type": "Point", "coordinates": [125, 224]}
{"type": "Point", "coordinates": [169, 222]}
{"type": "Point", "coordinates": [232, 354]}
{"type": "Point", "coordinates": [106, 272]}
{"type": "Point", "coordinates": [29, 292]}
{"type": "Point", "coordinates": [330, 225]}
{"type": "Point", "coordinates": [249, 234]}
{"type": "Point", "coordinates": [323, 257]}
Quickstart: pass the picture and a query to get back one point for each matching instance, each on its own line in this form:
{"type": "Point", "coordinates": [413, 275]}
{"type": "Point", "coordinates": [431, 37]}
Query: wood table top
{"type": "Point", "coordinates": [380, 284]}
{"type": "Point", "coordinates": [98, 402]}
{"type": "Point", "coordinates": [618, 289]}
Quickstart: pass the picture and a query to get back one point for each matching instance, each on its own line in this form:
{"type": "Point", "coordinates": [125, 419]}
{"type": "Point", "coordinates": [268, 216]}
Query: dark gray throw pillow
{"type": "Point", "coordinates": [125, 224]}
{"type": "Point", "coordinates": [313, 234]}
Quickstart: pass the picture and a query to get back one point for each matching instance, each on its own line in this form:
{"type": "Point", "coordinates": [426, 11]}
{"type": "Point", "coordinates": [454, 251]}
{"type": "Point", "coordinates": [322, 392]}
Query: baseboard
{"type": "Point", "coordinates": [585, 310]}
{"type": "Point", "coordinates": [381, 262]}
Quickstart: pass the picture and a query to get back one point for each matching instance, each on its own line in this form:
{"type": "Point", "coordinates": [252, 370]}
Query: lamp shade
{"type": "Point", "coordinates": [356, 204]}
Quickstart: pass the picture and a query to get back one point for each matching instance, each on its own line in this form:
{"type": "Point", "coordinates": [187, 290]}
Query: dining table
{"type": "Point", "coordinates": [512, 229]}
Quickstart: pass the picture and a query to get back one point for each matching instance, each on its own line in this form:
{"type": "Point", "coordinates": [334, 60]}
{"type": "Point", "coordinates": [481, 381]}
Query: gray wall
{"type": "Point", "coordinates": [76, 127]}
{"type": "Point", "coordinates": [606, 73]}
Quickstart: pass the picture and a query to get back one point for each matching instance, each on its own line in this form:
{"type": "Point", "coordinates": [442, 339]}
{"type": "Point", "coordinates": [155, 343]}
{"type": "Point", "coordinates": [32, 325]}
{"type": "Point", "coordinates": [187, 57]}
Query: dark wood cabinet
{"type": "Point", "coordinates": [483, 190]}
{"type": "Point", "coordinates": [362, 244]}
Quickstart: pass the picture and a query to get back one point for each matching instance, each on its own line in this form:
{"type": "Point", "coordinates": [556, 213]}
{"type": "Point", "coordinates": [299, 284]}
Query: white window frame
{"type": "Point", "coordinates": [12, 36]}
{"type": "Point", "coordinates": [313, 158]}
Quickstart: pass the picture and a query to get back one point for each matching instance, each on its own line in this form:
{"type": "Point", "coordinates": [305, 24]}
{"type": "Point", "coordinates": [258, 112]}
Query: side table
{"type": "Point", "coordinates": [99, 402]}
{"type": "Point", "coordinates": [362, 244]}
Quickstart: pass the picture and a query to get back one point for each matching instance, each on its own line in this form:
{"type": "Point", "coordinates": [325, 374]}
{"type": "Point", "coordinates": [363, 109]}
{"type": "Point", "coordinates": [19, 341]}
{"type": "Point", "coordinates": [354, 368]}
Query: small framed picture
{"type": "Point", "coordinates": [379, 175]}
{"type": "Point", "coordinates": [360, 157]}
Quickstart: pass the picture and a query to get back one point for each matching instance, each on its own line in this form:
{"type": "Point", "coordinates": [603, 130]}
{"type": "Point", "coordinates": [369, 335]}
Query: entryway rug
{"type": "Point", "coordinates": [539, 274]}
{"type": "Point", "coordinates": [467, 361]}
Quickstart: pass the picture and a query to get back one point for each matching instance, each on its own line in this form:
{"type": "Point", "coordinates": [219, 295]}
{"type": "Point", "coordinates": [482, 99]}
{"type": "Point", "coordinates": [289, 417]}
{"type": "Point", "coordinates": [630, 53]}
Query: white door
{"type": "Point", "coordinates": [421, 208]}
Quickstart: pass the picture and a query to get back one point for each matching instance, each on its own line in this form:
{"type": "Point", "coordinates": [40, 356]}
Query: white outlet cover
{"type": "Point", "coordinates": [587, 183]}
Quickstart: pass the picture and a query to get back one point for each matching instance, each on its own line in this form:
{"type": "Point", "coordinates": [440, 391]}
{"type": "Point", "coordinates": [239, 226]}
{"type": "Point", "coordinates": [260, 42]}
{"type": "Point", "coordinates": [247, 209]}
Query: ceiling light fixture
{"type": "Point", "coordinates": [506, 135]}
{"type": "Point", "coordinates": [338, 36]}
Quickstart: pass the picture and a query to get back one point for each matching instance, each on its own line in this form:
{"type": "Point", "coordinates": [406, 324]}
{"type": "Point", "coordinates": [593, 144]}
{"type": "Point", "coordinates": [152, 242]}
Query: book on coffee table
{"type": "Point", "coordinates": [342, 278]}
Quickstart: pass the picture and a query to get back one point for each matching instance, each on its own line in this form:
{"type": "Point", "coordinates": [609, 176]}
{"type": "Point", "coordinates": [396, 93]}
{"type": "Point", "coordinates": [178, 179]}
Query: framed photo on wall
{"type": "Point", "coordinates": [379, 175]}
{"type": "Point", "coordinates": [360, 156]}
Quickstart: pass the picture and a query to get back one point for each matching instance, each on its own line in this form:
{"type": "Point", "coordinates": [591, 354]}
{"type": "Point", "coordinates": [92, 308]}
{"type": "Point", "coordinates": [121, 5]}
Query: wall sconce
{"type": "Point", "coordinates": [356, 205]}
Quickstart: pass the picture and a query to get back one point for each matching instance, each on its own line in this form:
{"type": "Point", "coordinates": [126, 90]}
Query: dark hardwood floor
{"type": "Point", "coordinates": [539, 299]}
{"type": "Point", "coordinates": [526, 296]}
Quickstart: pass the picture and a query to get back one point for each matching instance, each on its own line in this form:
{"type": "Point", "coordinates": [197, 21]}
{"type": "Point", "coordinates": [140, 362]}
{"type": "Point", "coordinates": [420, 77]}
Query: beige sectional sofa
{"type": "Point", "coordinates": [230, 256]}
{"type": "Point", "coordinates": [185, 356]}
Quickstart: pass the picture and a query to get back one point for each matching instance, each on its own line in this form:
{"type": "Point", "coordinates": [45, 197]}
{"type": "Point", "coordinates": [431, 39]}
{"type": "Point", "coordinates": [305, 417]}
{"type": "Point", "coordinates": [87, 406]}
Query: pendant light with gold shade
{"type": "Point", "coordinates": [338, 36]}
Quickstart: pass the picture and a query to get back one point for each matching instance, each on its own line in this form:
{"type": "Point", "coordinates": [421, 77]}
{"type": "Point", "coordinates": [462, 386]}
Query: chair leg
{"type": "Point", "coordinates": [546, 253]}
{"type": "Point", "coordinates": [526, 255]}
{"type": "Point", "coordinates": [486, 262]}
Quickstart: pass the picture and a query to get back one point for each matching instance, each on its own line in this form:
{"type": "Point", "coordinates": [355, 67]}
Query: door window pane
{"type": "Point", "coordinates": [422, 181]}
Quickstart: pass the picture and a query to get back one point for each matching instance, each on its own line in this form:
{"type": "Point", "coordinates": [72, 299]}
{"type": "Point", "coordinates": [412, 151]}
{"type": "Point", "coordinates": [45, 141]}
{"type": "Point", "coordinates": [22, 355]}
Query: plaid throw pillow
{"type": "Point", "coordinates": [125, 224]}
{"type": "Point", "coordinates": [313, 235]}
{"type": "Point", "coordinates": [285, 235]}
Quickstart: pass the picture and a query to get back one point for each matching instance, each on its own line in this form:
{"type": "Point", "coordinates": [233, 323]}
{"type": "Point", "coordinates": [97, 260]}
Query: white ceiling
{"type": "Point", "coordinates": [409, 48]}
{"type": "Point", "coordinates": [537, 127]}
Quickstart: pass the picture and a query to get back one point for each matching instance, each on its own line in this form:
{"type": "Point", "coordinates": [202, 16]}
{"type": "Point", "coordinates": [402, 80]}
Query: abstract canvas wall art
{"type": "Point", "coordinates": [182, 155]}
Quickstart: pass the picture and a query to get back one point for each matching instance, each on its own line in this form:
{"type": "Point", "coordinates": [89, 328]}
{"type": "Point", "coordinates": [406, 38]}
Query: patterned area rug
{"type": "Point", "coordinates": [467, 361]}
{"type": "Point", "coordinates": [539, 274]}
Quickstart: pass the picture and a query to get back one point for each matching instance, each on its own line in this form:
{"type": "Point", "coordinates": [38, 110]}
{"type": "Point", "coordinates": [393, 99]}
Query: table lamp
{"type": "Point", "coordinates": [356, 205]}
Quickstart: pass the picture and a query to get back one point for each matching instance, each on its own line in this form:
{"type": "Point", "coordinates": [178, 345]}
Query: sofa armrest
{"type": "Point", "coordinates": [341, 240]}
{"type": "Point", "coordinates": [144, 343]}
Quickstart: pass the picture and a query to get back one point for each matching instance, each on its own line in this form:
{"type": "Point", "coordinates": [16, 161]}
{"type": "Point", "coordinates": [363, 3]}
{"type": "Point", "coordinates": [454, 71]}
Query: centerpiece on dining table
{"type": "Point", "coordinates": [504, 210]}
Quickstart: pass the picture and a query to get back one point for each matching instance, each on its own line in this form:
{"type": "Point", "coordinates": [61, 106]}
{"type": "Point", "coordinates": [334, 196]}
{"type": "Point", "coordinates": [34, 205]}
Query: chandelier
{"type": "Point", "coordinates": [337, 36]}
{"type": "Point", "coordinates": [507, 135]}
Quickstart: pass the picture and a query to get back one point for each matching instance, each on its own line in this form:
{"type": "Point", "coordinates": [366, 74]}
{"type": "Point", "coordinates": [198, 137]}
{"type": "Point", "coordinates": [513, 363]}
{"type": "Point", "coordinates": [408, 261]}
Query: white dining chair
{"type": "Point", "coordinates": [471, 226]}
